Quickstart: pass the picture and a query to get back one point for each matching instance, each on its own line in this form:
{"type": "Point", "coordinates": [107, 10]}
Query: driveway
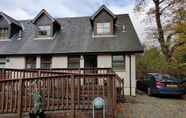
{"type": "Point", "coordinates": [143, 106]}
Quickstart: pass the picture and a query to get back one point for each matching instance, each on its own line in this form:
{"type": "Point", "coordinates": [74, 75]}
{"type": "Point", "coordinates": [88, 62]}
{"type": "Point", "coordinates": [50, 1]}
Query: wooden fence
{"type": "Point", "coordinates": [59, 91]}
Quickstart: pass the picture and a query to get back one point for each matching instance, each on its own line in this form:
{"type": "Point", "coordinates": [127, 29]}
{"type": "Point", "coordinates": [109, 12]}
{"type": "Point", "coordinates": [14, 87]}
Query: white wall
{"type": "Point", "coordinates": [105, 61]}
{"type": "Point", "coordinates": [130, 75]}
{"type": "Point", "coordinates": [82, 61]}
{"type": "Point", "coordinates": [15, 62]}
{"type": "Point", "coordinates": [59, 62]}
{"type": "Point", "coordinates": [38, 62]}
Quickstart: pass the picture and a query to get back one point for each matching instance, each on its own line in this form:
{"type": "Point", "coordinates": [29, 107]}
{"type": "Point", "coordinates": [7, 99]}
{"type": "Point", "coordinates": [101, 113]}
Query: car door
{"type": "Point", "coordinates": [148, 81]}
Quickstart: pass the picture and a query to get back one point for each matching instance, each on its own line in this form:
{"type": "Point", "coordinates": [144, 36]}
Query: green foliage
{"type": "Point", "coordinates": [152, 59]}
{"type": "Point", "coordinates": [180, 52]}
{"type": "Point", "coordinates": [37, 99]}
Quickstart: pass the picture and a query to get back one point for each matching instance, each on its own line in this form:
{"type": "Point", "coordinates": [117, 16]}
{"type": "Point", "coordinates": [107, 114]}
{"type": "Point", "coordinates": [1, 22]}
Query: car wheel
{"type": "Point", "coordinates": [149, 91]}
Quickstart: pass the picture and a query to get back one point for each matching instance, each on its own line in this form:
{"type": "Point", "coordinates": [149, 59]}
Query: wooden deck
{"type": "Point", "coordinates": [68, 91]}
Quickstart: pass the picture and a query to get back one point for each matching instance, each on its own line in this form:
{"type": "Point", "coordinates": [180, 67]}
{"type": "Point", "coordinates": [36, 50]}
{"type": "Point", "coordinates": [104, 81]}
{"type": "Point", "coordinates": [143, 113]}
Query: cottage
{"type": "Point", "coordinates": [103, 40]}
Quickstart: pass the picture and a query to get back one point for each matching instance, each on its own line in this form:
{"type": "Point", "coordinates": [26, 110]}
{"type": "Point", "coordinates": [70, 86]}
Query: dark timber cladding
{"type": "Point", "coordinates": [73, 35]}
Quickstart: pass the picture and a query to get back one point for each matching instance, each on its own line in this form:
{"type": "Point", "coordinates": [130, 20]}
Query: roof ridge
{"type": "Point", "coordinates": [70, 17]}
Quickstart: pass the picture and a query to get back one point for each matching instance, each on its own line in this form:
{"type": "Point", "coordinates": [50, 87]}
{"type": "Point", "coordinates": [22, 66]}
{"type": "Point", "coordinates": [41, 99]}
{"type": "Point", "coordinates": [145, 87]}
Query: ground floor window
{"type": "Point", "coordinates": [30, 62]}
{"type": "Point", "coordinates": [2, 62]}
{"type": "Point", "coordinates": [46, 62]}
{"type": "Point", "coordinates": [118, 62]}
{"type": "Point", "coordinates": [73, 61]}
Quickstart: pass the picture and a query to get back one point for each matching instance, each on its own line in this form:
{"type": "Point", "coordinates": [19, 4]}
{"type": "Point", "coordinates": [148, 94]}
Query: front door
{"type": "Point", "coordinates": [90, 61]}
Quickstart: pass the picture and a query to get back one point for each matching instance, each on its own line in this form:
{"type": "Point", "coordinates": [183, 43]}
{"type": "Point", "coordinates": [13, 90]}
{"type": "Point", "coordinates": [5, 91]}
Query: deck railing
{"type": "Point", "coordinates": [59, 90]}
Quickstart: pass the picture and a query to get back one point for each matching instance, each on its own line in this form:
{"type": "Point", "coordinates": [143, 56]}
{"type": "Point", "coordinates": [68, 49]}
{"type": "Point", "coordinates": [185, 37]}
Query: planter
{"type": "Point", "coordinates": [37, 115]}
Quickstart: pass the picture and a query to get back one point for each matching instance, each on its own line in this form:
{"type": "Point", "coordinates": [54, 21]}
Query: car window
{"type": "Point", "coordinates": [149, 77]}
{"type": "Point", "coordinates": [167, 77]}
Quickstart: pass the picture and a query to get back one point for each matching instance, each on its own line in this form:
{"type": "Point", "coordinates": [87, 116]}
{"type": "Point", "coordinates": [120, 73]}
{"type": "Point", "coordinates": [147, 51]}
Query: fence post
{"type": "Point", "coordinates": [72, 96]}
{"type": "Point", "coordinates": [20, 99]}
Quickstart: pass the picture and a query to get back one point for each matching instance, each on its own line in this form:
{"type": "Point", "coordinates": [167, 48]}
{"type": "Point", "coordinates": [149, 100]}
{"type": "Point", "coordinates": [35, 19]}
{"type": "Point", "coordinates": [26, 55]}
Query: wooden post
{"type": "Point", "coordinates": [72, 96]}
{"type": "Point", "coordinates": [20, 99]}
{"type": "Point", "coordinates": [114, 97]}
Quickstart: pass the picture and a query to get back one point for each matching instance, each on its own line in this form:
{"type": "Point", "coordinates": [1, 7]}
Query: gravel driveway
{"type": "Point", "coordinates": [143, 106]}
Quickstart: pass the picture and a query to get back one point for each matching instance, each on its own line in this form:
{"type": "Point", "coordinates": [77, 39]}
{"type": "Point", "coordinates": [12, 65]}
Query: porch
{"type": "Point", "coordinates": [66, 92]}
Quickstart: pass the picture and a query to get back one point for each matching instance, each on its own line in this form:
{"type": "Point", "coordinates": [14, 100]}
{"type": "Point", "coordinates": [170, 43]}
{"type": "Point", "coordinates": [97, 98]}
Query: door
{"type": "Point", "coordinates": [90, 61]}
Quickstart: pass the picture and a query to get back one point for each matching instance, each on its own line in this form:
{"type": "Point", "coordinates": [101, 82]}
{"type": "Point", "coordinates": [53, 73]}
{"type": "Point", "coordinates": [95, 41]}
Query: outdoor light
{"type": "Point", "coordinates": [98, 103]}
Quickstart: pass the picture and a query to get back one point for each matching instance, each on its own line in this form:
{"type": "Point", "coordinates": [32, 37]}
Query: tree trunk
{"type": "Point", "coordinates": [161, 38]}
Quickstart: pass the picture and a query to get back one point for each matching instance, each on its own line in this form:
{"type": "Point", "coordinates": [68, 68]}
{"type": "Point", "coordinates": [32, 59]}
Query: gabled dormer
{"type": "Point", "coordinates": [45, 25]}
{"type": "Point", "coordinates": [8, 27]}
{"type": "Point", "coordinates": [103, 21]}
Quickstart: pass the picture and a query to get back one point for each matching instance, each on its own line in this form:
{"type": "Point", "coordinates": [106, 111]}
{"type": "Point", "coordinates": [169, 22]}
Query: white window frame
{"type": "Point", "coordinates": [103, 28]}
{"type": "Point", "coordinates": [46, 28]}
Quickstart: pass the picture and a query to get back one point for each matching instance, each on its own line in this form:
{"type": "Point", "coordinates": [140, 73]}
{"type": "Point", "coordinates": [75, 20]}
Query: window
{"type": "Point", "coordinates": [74, 62]}
{"type": "Point", "coordinates": [2, 62]}
{"type": "Point", "coordinates": [30, 62]}
{"type": "Point", "coordinates": [3, 33]}
{"type": "Point", "coordinates": [118, 62]}
{"type": "Point", "coordinates": [46, 62]}
{"type": "Point", "coordinates": [103, 28]}
{"type": "Point", "coordinates": [43, 31]}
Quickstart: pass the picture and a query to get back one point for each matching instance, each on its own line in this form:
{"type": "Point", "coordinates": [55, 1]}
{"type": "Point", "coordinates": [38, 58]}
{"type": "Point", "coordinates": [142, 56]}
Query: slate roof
{"type": "Point", "coordinates": [74, 37]}
{"type": "Point", "coordinates": [100, 9]}
{"type": "Point", "coordinates": [10, 19]}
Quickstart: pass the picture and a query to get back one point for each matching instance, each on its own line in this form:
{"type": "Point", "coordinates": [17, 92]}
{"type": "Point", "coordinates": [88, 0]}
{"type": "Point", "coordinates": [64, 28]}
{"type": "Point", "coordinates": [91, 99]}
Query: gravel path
{"type": "Point", "coordinates": [143, 106]}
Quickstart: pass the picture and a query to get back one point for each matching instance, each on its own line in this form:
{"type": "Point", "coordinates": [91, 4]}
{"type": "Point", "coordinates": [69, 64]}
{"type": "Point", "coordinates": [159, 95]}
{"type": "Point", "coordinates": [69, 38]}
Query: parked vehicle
{"type": "Point", "coordinates": [155, 83]}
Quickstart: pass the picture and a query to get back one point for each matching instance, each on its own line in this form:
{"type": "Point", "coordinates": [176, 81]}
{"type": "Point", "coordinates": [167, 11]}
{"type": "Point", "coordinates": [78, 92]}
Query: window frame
{"type": "Point", "coordinates": [2, 62]}
{"type": "Point", "coordinates": [41, 28]}
{"type": "Point", "coordinates": [46, 62]}
{"type": "Point", "coordinates": [71, 64]}
{"type": "Point", "coordinates": [32, 64]}
{"type": "Point", "coordinates": [3, 34]}
{"type": "Point", "coordinates": [121, 64]}
{"type": "Point", "coordinates": [101, 27]}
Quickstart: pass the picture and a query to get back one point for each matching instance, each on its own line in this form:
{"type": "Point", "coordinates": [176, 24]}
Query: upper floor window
{"type": "Point", "coordinates": [74, 62]}
{"type": "Point", "coordinates": [46, 62]}
{"type": "Point", "coordinates": [118, 62]}
{"type": "Point", "coordinates": [103, 28]}
{"type": "Point", "coordinates": [44, 31]}
{"type": "Point", "coordinates": [3, 33]}
{"type": "Point", "coordinates": [30, 62]}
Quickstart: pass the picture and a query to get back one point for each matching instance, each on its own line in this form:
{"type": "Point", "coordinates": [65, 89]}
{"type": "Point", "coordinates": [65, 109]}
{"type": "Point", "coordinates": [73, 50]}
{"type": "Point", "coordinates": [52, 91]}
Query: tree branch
{"type": "Point", "coordinates": [175, 46]}
{"type": "Point", "coordinates": [167, 6]}
{"type": "Point", "coordinates": [162, 1]}
{"type": "Point", "coordinates": [169, 37]}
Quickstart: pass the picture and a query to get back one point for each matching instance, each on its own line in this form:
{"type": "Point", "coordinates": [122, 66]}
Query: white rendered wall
{"type": "Point", "coordinates": [59, 62]}
{"type": "Point", "coordinates": [15, 62]}
{"type": "Point", "coordinates": [104, 61]}
{"type": "Point", "coordinates": [38, 62]}
{"type": "Point", "coordinates": [128, 74]}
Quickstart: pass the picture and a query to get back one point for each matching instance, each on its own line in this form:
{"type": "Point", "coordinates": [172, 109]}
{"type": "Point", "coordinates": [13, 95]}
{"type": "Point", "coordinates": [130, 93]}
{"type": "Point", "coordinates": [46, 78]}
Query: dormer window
{"type": "Point", "coordinates": [103, 21]}
{"type": "Point", "coordinates": [3, 33]}
{"type": "Point", "coordinates": [44, 31]}
{"type": "Point", "coordinates": [103, 28]}
{"type": "Point", "coordinates": [45, 26]}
